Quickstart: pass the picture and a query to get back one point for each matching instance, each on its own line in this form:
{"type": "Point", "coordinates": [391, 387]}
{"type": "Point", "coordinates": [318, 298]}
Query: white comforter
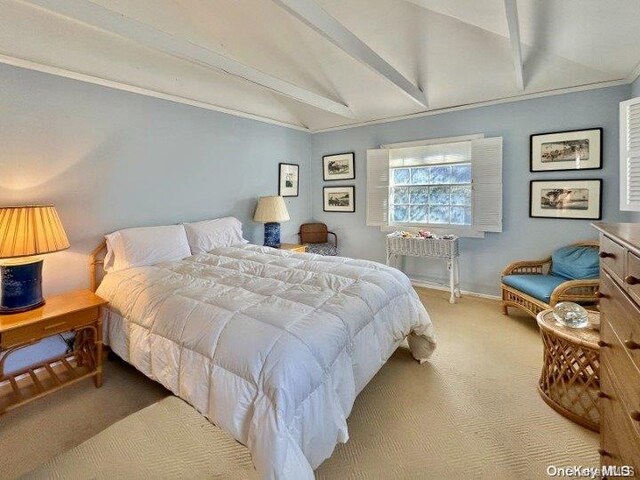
{"type": "Point", "coordinates": [269, 345]}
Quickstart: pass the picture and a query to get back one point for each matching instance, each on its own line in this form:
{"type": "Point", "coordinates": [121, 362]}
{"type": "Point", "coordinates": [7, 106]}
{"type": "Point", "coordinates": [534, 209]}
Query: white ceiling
{"type": "Point", "coordinates": [358, 64]}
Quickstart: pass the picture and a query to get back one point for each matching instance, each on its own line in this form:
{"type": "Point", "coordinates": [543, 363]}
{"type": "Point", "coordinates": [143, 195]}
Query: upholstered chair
{"type": "Point", "coordinates": [316, 237]}
{"type": "Point", "coordinates": [570, 274]}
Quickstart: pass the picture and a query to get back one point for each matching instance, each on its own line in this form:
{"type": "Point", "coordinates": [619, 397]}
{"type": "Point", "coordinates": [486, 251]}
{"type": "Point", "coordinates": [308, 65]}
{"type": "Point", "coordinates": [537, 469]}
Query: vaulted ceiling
{"type": "Point", "coordinates": [318, 64]}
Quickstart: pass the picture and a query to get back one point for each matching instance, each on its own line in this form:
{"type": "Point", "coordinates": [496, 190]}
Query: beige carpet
{"type": "Point", "coordinates": [472, 412]}
{"type": "Point", "coordinates": [168, 439]}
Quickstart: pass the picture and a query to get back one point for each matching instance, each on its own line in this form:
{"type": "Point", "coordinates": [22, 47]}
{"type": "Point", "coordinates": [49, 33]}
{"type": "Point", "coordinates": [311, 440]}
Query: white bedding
{"type": "Point", "coordinates": [271, 346]}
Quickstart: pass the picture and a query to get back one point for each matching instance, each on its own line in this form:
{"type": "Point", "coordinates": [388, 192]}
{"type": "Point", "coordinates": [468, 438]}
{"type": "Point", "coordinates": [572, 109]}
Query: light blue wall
{"type": "Point", "coordinates": [523, 237]}
{"type": "Point", "coordinates": [109, 160]}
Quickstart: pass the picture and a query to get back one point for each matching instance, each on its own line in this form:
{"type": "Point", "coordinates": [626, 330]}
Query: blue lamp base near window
{"type": "Point", "coordinates": [20, 286]}
{"type": "Point", "coordinates": [272, 234]}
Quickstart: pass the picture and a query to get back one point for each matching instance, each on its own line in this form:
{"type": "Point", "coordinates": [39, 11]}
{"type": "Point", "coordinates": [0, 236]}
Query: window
{"type": "Point", "coordinates": [438, 194]}
{"type": "Point", "coordinates": [447, 186]}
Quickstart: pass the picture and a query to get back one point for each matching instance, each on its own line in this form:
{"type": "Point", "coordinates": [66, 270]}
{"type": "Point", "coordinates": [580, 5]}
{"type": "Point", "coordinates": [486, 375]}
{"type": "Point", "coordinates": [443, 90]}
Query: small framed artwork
{"type": "Point", "coordinates": [339, 199]}
{"type": "Point", "coordinates": [341, 166]}
{"type": "Point", "coordinates": [570, 150]}
{"type": "Point", "coordinates": [288, 180]}
{"type": "Point", "coordinates": [568, 199]}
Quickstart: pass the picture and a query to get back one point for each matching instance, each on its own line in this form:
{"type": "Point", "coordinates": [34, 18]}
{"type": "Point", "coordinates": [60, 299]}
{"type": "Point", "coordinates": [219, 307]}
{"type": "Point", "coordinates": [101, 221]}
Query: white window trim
{"type": "Point", "coordinates": [471, 231]}
{"type": "Point", "coordinates": [628, 175]}
{"type": "Point", "coordinates": [437, 228]}
{"type": "Point", "coordinates": [431, 141]}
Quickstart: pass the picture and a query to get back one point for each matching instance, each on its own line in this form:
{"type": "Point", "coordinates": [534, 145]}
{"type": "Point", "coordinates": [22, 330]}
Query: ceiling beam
{"type": "Point", "coordinates": [313, 15]}
{"type": "Point", "coordinates": [115, 23]}
{"type": "Point", "coordinates": [511, 7]}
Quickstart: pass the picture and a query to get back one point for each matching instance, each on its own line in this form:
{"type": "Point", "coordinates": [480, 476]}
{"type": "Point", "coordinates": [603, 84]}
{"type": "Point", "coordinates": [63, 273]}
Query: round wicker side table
{"type": "Point", "coordinates": [570, 378]}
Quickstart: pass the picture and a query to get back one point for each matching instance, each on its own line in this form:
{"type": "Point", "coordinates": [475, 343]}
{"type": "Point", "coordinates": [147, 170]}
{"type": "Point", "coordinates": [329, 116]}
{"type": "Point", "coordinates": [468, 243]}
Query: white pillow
{"type": "Point", "coordinates": [137, 247]}
{"type": "Point", "coordinates": [219, 232]}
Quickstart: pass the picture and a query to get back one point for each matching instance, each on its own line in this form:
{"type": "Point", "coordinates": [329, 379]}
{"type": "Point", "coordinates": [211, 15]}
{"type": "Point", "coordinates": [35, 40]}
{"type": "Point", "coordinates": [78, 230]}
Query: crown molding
{"type": "Point", "coordinates": [127, 87]}
{"type": "Point", "coordinates": [635, 74]}
{"type": "Point", "coordinates": [114, 23]}
{"type": "Point", "coordinates": [469, 106]}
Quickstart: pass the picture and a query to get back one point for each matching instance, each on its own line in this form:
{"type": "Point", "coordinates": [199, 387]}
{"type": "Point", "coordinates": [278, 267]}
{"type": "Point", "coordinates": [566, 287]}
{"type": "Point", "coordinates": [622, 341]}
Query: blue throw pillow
{"type": "Point", "coordinates": [576, 263]}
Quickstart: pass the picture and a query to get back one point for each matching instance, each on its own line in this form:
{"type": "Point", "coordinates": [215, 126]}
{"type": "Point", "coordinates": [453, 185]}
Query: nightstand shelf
{"type": "Point", "coordinates": [37, 381]}
{"type": "Point", "coordinates": [293, 247]}
{"type": "Point", "coordinates": [77, 312]}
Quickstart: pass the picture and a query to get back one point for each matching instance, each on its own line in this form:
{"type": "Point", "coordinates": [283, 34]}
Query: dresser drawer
{"type": "Point", "coordinates": [620, 323]}
{"type": "Point", "coordinates": [27, 333]}
{"type": "Point", "coordinates": [632, 276]}
{"type": "Point", "coordinates": [623, 386]}
{"type": "Point", "coordinates": [612, 257]}
{"type": "Point", "coordinates": [618, 441]}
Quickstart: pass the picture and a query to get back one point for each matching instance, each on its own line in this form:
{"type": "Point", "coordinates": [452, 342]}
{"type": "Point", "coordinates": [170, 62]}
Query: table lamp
{"type": "Point", "coordinates": [24, 233]}
{"type": "Point", "coordinates": [271, 211]}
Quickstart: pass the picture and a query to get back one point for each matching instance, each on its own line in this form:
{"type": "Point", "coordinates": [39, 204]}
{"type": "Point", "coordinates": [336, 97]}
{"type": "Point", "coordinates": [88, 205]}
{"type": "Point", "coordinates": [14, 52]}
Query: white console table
{"type": "Point", "coordinates": [447, 250]}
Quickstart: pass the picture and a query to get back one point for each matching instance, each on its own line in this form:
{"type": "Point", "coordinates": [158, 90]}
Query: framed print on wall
{"type": "Point", "coordinates": [341, 166]}
{"type": "Point", "coordinates": [288, 180]}
{"type": "Point", "coordinates": [339, 199]}
{"type": "Point", "coordinates": [570, 150]}
{"type": "Point", "coordinates": [568, 199]}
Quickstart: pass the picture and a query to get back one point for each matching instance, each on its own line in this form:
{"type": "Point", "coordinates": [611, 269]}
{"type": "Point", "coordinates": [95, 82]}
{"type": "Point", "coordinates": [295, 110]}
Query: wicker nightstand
{"type": "Point", "coordinates": [77, 312]}
{"type": "Point", "coordinates": [294, 247]}
{"type": "Point", "coordinates": [570, 379]}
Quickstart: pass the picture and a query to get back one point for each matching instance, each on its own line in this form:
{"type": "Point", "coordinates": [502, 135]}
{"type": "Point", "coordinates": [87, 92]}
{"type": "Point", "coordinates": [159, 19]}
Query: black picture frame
{"type": "Point", "coordinates": [351, 156]}
{"type": "Point", "coordinates": [600, 150]}
{"type": "Point", "coordinates": [352, 206]}
{"type": "Point", "coordinates": [567, 180]}
{"type": "Point", "coordinates": [281, 171]}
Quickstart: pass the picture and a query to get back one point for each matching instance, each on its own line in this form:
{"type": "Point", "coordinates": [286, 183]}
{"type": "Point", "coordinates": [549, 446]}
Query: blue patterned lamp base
{"type": "Point", "coordinates": [20, 287]}
{"type": "Point", "coordinates": [272, 235]}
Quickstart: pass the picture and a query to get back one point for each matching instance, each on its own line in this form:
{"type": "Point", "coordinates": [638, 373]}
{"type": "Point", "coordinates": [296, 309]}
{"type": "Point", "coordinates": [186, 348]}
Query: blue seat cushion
{"type": "Point", "coordinates": [537, 286]}
{"type": "Point", "coordinates": [576, 263]}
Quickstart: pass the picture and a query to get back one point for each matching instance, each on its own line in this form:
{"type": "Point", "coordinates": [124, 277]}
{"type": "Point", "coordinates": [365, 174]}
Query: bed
{"type": "Point", "coordinates": [272, 346]}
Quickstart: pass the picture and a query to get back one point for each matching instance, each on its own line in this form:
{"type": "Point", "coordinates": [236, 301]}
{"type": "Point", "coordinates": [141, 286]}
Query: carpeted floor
{"type": "Point", "coordinates": [472, 412]}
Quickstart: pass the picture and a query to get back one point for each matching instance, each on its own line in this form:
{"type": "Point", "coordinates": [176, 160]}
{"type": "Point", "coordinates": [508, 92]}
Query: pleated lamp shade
{"type": "Point", "coordinates": [270, 210]}
{"type": "Point", "coordinates": [30, 230]}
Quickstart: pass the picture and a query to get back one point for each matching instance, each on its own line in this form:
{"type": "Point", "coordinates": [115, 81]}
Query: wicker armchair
{"type": "Point", "coordinates": [316, 237]}
{"type": "Point", "coordinates": [583, 291]}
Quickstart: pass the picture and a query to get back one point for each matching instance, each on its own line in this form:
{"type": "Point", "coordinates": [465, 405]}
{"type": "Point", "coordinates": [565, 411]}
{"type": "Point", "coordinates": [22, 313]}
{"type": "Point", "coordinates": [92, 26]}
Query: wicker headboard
{"type": "Point", "coordinates": [96, 265]}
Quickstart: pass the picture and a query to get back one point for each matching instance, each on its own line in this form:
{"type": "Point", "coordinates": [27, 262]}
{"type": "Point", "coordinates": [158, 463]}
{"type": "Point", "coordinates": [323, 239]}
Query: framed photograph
{"type": "Point", "coordinates": [570, 150]}
{"type": "Point", "coordinates": [288, 180]}
{"type": "Point", "coordinates": [339, 199]}
{"type": "Point", "coordinates": [341, 166]}
{"type": "Point", "coordinates": [568, 199]}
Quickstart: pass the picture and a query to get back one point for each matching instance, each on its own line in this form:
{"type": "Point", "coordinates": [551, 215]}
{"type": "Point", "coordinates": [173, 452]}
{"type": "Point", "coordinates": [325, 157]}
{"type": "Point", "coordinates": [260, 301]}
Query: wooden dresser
{"type": "Point", "coordinates": [620, 344]}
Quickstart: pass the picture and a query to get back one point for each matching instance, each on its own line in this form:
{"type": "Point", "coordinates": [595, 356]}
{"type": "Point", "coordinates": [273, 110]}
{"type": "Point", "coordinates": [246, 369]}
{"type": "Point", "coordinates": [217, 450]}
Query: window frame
{"type": "Point", "coordinates": [437, 228]}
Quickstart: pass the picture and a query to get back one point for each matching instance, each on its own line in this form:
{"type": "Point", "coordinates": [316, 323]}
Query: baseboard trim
{"type": "Point", "coordinates": [436, 286]}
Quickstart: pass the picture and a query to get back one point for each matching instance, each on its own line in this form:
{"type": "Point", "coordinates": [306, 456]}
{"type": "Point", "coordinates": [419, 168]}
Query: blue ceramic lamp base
{"type": "Point", "coordinates": [20, 286]}
{"type": "Point", "coordinates": [272, 234]}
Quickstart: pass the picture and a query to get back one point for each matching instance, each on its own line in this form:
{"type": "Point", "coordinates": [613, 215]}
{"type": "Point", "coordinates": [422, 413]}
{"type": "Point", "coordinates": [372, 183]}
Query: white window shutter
{"type": "Point", "coordinates": [377, 187]}
{"type": "Point", "coordinates": [630, 155]}
{"type": "Point", "coordinates": [486, 165]}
